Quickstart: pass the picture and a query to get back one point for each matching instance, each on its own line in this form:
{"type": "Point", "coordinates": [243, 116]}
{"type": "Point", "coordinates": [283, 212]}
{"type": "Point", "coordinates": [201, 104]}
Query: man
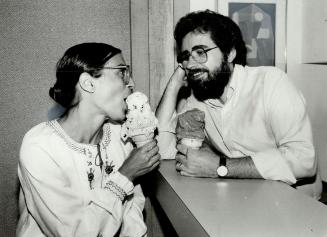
{"type": "Point", "coordinates": [256, 123]}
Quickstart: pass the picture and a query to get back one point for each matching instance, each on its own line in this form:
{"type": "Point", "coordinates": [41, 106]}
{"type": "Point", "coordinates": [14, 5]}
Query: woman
{"type": "Point", "coordinates": [75, 172]}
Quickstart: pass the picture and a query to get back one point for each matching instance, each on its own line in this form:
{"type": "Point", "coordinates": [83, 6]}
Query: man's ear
{"type": "Point", "coordinates": [86, 82]}
{"type": "Point", "coordinates": [231, 55]}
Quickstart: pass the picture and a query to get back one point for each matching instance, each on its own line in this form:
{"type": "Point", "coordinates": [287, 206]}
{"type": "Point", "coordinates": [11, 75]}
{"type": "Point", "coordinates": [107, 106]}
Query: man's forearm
{"type": "Point", "coordinates": [242, 168]}
{"type": "Point", "coordinates": [167, 104]}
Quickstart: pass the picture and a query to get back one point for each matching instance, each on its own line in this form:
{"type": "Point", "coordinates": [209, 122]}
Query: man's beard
{"type": "Point", "coordinates": [211, 87]}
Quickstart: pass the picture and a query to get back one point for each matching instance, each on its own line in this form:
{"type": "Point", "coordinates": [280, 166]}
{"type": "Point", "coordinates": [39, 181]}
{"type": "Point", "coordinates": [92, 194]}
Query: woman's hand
{"type": "Point", "coordinates": [141, 161]}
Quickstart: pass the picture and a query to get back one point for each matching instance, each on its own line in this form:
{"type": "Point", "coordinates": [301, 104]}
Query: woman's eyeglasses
{"type": "Point", "coordinates": [124, 72]}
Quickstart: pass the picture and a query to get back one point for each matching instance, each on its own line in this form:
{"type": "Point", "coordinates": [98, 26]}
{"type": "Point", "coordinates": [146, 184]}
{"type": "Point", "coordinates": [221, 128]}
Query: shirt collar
{"type": "Point", "coordinates": [229, 90]}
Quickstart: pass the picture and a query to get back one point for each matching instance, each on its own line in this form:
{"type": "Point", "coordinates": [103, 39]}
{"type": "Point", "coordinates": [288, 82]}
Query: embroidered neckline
{"type": "Point", "coordinates": [76, 146]}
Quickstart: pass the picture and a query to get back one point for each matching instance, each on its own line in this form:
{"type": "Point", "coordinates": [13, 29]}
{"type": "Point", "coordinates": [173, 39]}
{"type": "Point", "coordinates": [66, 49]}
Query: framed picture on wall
{"type": "Point", "coordinates": [263, 26]}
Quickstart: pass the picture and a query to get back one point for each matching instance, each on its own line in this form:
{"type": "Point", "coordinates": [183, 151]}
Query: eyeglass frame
{"type": "Point", "coordinates": [205, 51]}
{"type": "Point", "coordinates": [127, 75]}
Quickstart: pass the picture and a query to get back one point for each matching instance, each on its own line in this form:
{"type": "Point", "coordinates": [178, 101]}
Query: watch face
{"type": "Point", "coordinates": [222, 171]}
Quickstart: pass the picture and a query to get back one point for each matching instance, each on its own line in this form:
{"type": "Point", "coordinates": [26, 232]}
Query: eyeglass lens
{"type": "Point", "coordinates": [124, 72]}
{"type": "Point", "coordinates": [199, 55]}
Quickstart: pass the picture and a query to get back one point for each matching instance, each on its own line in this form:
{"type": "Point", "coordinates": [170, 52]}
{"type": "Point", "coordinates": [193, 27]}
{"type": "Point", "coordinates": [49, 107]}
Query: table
{"type": "Point", "coordinates": [234, 207]}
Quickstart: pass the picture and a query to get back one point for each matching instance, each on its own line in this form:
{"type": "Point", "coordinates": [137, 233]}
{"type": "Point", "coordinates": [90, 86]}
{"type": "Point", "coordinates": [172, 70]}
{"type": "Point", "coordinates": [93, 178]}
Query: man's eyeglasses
{"type": "Point", "coordinates": [198, 53]}
{"type": "Point", "coordinates": [124, 72]}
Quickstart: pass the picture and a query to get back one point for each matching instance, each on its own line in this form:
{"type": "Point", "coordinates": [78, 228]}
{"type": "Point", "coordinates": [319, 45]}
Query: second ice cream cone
{"type": "Point", "coordinates": [194, 143]}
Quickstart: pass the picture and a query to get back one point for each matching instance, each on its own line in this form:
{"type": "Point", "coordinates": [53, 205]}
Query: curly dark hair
{"type": "Point", "coordinates": [224, 32]}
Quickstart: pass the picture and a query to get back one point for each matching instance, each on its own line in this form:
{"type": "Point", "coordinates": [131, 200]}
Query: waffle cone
{"type": "Point", "coordinates": [142, 139]}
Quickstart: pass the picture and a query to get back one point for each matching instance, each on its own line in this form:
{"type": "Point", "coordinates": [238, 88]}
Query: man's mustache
{"type": "Point", "coordinates": [192, 72]}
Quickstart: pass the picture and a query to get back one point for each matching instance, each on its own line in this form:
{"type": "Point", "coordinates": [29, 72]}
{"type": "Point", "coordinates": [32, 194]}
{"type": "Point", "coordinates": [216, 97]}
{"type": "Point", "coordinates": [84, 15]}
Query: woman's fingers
{"type": "Point", "coordinates": [154, 159]}
{"type": "Point", "coordinates": [156, 164]}
{"type": "Point", "coordinates": [153, 163]}
{"type": "Point", "coordinates": [149, 146]}
{"type": "Point", "coordinates": [153, 151]}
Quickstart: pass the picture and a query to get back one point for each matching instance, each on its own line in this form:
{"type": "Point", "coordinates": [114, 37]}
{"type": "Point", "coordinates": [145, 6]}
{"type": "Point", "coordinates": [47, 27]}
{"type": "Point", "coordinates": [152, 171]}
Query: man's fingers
{"type": "Point", "coordinates": [178, 166]}
{"type": "Point", "coordinates": [181, 66]}
{"type": "Point", "coordinates": [184, 173]}
{"type": "Point", "coordinates": [182, 149]}
{"type": "Point", "coordinates": [183, 168]}
{"type": "Point", "coordinates": [180, 158]}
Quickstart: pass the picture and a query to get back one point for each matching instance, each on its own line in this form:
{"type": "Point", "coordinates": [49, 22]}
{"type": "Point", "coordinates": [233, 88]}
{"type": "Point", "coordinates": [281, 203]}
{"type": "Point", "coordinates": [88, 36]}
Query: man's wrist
{"type": "Point", "coordinates": [222, 169]}
{"type": "Point", "coordinates": [174, 86]}
{"type": "Point", "coordinates": [216, 168]}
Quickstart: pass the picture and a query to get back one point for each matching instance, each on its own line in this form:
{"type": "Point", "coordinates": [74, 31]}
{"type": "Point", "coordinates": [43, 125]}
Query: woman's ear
{"type": "Point", "coordinates": [231, 55]}
{"type": "Point", "coordinates": [86, 82]}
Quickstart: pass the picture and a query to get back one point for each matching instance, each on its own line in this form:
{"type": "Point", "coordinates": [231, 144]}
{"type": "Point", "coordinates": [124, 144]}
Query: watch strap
{"type": "Point", "coordinates": [222, 160]}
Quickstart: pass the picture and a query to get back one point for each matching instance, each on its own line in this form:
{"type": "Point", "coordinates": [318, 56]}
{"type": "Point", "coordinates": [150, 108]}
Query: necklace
{"type": "Point", "coordinates": [109, 167]}
{"type": "Point", "coordinates": [100, 162]}
{"type": "Point", "coordinates": [85, 149]}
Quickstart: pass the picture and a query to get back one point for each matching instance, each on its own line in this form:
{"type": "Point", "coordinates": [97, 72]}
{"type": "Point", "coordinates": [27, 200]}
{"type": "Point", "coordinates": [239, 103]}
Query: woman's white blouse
{"type": "Point", "coordinates": [64, 192]}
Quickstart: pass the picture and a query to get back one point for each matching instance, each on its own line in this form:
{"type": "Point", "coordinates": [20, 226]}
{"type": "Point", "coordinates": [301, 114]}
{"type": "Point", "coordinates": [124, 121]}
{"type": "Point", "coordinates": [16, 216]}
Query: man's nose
{"type": "Point", "coordinates": [191, 63]}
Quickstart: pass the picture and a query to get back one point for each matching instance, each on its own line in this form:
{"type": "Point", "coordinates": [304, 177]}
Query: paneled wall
{"type": "Point", "coordinates": [153, 62]}
{"type": "Point", "coordinates": [311, 79]}
{"type": "Point", "coordinates": [153, 54]}
{"type": "Point", "coordinates": [34, 34]}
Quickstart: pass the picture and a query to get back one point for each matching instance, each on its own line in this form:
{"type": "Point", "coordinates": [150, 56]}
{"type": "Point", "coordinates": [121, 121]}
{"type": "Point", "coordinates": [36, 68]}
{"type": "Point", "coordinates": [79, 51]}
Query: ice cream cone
{"type": "Point", "coordinates": [193, 143]}
{"type": "Point", "coordinates": [141, 121]}
{"type": "Point", "coordinates": [190, 128]}
{"type": "Point", "coordinates": [142, 139]}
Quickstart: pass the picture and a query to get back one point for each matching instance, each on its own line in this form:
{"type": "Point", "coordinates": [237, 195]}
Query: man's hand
{"type": "Point", "coordinates": [197, 163]}
{"type": "Point", "coordinates": [177, 80]}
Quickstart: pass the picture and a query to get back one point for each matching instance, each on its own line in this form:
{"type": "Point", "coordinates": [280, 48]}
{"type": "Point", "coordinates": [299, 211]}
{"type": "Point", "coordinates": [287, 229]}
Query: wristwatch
{"type": "Point", "coordinates": [222, 170]}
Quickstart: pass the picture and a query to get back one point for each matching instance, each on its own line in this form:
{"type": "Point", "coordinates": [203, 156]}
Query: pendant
{"type": "Point", "coordinates": [109, 168]}
{"type": "Point", "coordinates": [90, 177]}
{"type": "Point", "coordinates": [100, 163]}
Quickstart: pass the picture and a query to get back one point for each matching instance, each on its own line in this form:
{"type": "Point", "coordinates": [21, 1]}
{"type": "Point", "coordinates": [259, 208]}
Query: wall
{"type": "Point", "coordinates": [34, 34]}
{"type": "Point", "coordinates": [309, 78]}
{"type": "Point", "coordinates": [152, 40]}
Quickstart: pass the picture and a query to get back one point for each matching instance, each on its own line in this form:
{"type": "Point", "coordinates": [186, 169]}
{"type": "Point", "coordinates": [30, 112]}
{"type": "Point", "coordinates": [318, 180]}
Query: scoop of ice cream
{"type": "Point", "coordinates": [190, 124]}
{"type": "Point", "coordinates": [139, 119]}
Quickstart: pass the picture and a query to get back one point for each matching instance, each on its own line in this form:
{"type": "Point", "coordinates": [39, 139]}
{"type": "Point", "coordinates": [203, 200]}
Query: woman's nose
{"type": "Point", "coordinates": [131, 84]}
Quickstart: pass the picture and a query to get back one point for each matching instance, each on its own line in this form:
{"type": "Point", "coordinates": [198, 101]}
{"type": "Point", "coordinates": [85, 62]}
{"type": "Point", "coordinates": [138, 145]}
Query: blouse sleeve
{"type": "Point", "coordinates": [133, 224]}
{"type": "Point", "coordinates": [60, 211]}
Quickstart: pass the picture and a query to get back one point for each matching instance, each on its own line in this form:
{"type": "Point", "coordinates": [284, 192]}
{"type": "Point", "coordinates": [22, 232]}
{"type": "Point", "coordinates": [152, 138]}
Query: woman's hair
{"type": "Point", "coordinates": [86, 57]}
{"type": "Point", "coordinates": [224, 32]}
